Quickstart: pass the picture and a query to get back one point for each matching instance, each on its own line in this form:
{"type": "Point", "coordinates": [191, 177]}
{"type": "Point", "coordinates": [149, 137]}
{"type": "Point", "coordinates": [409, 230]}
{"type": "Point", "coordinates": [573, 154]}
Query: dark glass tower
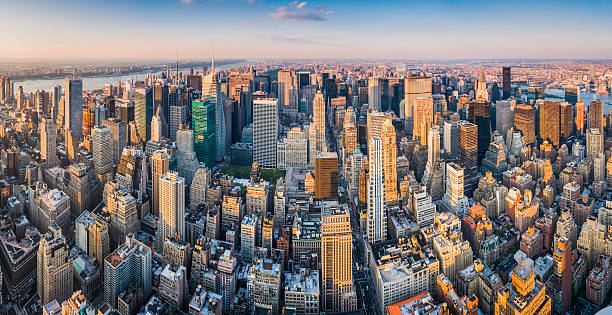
{"type": "Point", "coordinates": [204, 131]}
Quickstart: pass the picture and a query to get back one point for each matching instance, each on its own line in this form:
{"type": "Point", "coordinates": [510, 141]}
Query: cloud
{"type": "Point", "coordinates": [293, 15]}
{"type": "Point", "coordinates": [295, 39]}
{"type": "Point", "coordinates": [249, 1]}
{"type": "Point", "coordinates": [186, 1]}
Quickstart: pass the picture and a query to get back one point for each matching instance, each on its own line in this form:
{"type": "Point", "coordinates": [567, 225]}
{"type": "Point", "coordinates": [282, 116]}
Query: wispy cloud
{"type": "Point", "coordinates": [186, 1]}
{"type": "Point", "coordinates": [296, 13]}
{"type": "Point", "coordinates": [289, 39]}
{"type": "Point", "coordinates": [250, 1]}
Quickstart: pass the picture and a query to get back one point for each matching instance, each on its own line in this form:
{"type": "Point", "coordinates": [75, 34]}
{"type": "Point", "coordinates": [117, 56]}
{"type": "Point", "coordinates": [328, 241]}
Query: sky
{"type": "Point", "coordinates": [255, 29]}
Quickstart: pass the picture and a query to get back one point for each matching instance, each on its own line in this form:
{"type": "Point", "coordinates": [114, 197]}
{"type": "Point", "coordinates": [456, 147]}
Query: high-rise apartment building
{"type": "Point", "coordinates": [326, 175]}
{"type": "Point", "coordinates": [337, 259]}
{"type": "Point", "coordinates": [599, 280]}
{"type": "Point", "coordinates": [248, 232]}
{"type": "Point", "coordinates": [265, 131]}
{"type": "Point", "coordinates": [73, 107]}
{"type": "Point", "coordinates": [454, 200]}
{"type": "Point", "coordinates": [54, 208]}
{"type": "Point", "coordinates": [54, 267]}
{"type": "Point", "coordinates": [506, 82]}
{"type": "Point", "coordinates": [226, 266]}
{"type": "Point", "coordinates": [171, 207]}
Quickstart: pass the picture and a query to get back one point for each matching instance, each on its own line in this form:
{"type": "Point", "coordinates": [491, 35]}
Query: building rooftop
{"type": "Point", "coordinates": [302, 281]}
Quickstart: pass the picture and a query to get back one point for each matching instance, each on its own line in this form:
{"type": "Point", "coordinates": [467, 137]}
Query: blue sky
{"type": "Point", "coordinates": [155, 29]}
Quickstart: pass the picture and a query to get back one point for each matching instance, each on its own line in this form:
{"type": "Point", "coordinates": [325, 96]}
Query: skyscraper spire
{"type": "Point", "coordinates": [177, 71]}
{"type": "Point", "coordinates": [212, 62]}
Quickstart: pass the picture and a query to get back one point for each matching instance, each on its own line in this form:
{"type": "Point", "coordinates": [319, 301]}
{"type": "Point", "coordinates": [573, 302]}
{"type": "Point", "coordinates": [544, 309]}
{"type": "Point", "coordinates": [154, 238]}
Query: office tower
{"type": "Point", "coordinates": [596, 117]}
{"type": "Point", "coordinates": [318, 120]}
{"type": "Point", "coordinates": [211, 88]}
{"type": "Point", "coordinates": [248, 232]}
{"type": "Point", "coordinates": [156, 127]}
{"type": "Point", "coordinates": [566, 120]}
{"type": "Point", "coordinates": [561, 282]}
{"type": "Point", "coordinates": [292, 151]}
{"type": "Point", "coordinates": [171, 207]}
{"type": "Point", "coordinates": [598, 281]}
{"type": "Point", "coordinates": [160, 164]}
{"type": "Point", "coordinates": [451, 138]}
{"type": "Point", "coordinates": [199, 186]}
{"type": "Point", "coordinates": [186, 160]}
{"type": "Point", "coordinates": [454, 200]}
{"type": "Point", "coordinates": [504, 116]}
{"type": "Point", "coordinates": [48, 142]}
{"type": "Point", "coordinates": [433, 152]}
{"type": "Point", "coordinates": [506, 85]}
{"type": "Point", "coordinates": [102, 150]}
{"type": "Point", "coordinates": [257, 197]}
{"type": "Point", "coordinates": [173, 285]}
{"type": "Point", "coordinates": [326, 175]}
{"type": "Point", "coordinates": [423, 119]}
{"type": "Point", "coordinates": [482, 94]}
{"type": "Point", "coordinates": [579, 120]}
{"type": "Point", "coordinates": [129, 264]}
{"type": "Point", "coordinates": [468, 148]}
{"type": "Point", "coordinates": [78, 187]}
{"type": "Point", "coordinates": [549, 122]}
{"type": "Point", "coordinates": [280, 204]}
{"type": "Point", "coordinates": [572, 94]}
{"type": "Point", "coordinates": [226, 267]}
{"type": "Point", "coordinates": [594, 240]}
{"type": "Point", "coordinates": [265, 131]}
{"type": "Point", "coordinates": [267, 232]}
{"type": "Point", "coordinates": [73, 107]}
{"type": "Point", "coordinates": [98, 240]}
{"type": "Point", "coordinates": [389, 145]}
{"type": "Point", "coordinates": [479, 113]}
{"type": "Point", "coordinates": [160, 99]}
{"type": "Point", "coordinates": [414, 88]}
{"type": "Point", "coordinates": [143, 111]}
{"type": "Point", "coordinates": [523, 295]}
{"type": "Point", "coordinates": [178, 113]}
{"type": "Point", "coordinates": [54, 267]}
{"type": "Point", "coordinates": [376, 215]}
{"type": "Point", "coordinates": [374, 93]}
{"type": "Point", "coordinates": [54, 208]}
{"type": "Point", "coordinates": [203, 122]}
{"type": "Point", "coordinates": [288, 91]}
{"type": "Point", "coordinates": [594, 142]}
{"type": "Point", "coordinates": [524, 121]}
{"type": "Point", "coordinates": [119, 131]}
{"type": "Point", "coordinates": [123, 213]}
{"type": "Point", "coordinates": [232, 212]}
{"type": "Point", "coordinates": [337, 260]}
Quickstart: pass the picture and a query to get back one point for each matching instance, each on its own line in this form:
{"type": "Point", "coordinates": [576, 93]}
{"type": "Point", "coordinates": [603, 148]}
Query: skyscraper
{"type": "Point", "coordinates": [376, 215]}
{"type": "Point", "coordinates": [423, 118]}
{"type": "Point", "coordinates": [594, 142]}
{"type": "Point", "coordinates": [506, 82]}
{"type": "Point", "coordinates": [337, 260]}
{"type": "Point", "coordinates": [566, 120]}
{"type": "Point", "coordinates": [561, 282]}
{"type": "Point", "coordinates": [73, 107]}
{"type": "Point", "coordinates": [451, 138]}
{"type": "Point", "coordinates": [479, 113]}
{"type": "Point", "coordinates": [596, 119]}
{"type": "Point", "coordinates": [54, 273]}
{"type": "Point", "coordinates": [48, 142]}
{"type": "Point", "coordinates": [414, 88]}
{"type": "Point", "coordinates": [54, 208]}
{"type": "Point", "coordinates": [265, 131]}
{"type": "Point", "coordinates": [326, 175]}
{"type": "Point", "coordinates": [211, 87]}
{"type": "Point", "coordinates": [171, 207]}
{"type": "Point", "coordinates": [549, 122]}
{"type": "Point", "coordinates": [288, 91]}
{"type": "Point", "coordinates": [318, 120]}
{"type": "Point", "coordinates": [524, 121]}
{"type": "Point", "coordinates": [160, 164]}
{"type": "Point", "coordinates": [119, 131]}
{"type": "Point", "coordinates": [129, 264]}
{"type": "Point", "coordinates": [186, 160]}
{"type": "Point", "coordinates": [388, 137]}
{"type": "Point", "coordinates": [468, 148]}
{"type": "Point", "coordinates": [102, 150]}
{"type": "Point", "coordinates": [572, 94]}
{"type": "Point", "coordinates": [374, 93]}
{"type": "Point", "coordinates": [454, 200]}
{"type": "Point", "coordinates": [143, 111]}
{"type": "Point", "coordinates": [203, 122]}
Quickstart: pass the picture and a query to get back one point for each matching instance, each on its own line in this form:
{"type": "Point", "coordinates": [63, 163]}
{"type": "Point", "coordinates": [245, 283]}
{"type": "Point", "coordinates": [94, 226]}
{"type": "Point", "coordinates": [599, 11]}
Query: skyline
{"type": "Point", "coordinates": [304, 30]}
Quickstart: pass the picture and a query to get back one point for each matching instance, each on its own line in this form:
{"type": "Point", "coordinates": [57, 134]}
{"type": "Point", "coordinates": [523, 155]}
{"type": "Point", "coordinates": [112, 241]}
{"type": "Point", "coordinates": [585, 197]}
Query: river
{"type": "Point", "coordinates": [92, 83]}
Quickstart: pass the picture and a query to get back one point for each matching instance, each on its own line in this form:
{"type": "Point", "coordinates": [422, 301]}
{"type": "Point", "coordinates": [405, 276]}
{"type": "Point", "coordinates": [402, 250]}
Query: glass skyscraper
{"type": "Point", "coordinates": [204, 127]}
